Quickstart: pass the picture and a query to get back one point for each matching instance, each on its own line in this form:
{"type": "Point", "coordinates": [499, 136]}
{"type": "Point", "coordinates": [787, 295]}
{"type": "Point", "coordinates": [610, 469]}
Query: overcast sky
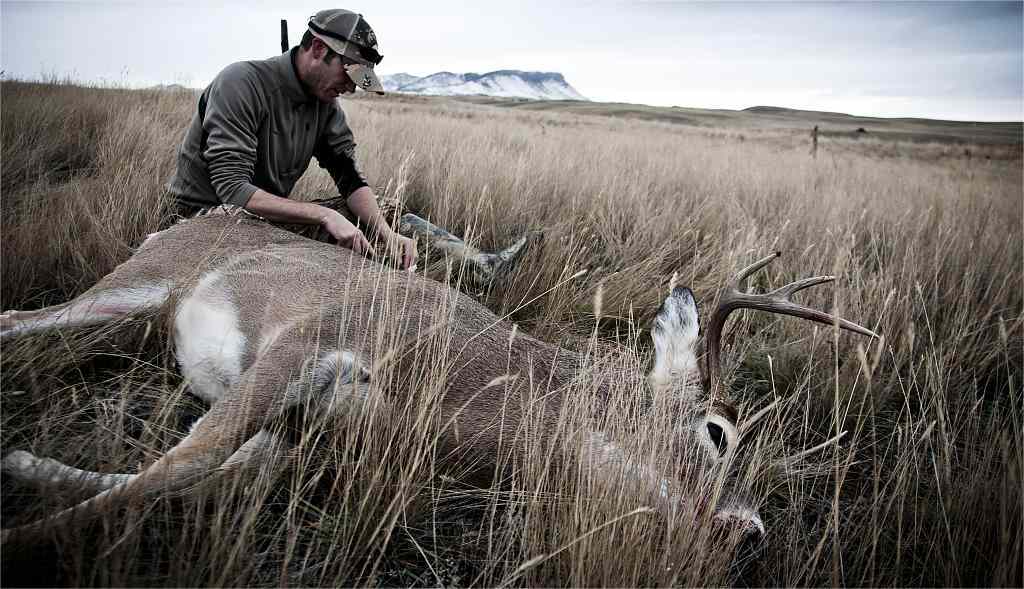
{"type": "Point", "coordinates": [942, 60]}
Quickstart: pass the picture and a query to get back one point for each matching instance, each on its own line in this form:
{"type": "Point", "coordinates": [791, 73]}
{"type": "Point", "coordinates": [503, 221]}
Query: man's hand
{"type": "Point", "coordinates": [280, 209]}
{"type": "Point", "coordinates": [347, 234]}
{"type": "Point", "coordinates": [403, 249]}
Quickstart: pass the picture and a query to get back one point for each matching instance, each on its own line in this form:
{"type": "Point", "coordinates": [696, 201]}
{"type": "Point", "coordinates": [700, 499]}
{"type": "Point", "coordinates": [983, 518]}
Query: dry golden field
{"type": "Point", "coordinates": [927, 245]}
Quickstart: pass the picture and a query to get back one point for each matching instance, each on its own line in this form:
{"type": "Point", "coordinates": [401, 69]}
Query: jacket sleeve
{"type": "Point", "coordinates": [335, 152]}
{"type": "Point", "coordinates": [231, 120]}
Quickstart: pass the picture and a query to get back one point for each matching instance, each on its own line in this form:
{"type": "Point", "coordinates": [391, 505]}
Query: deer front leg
{"type": "Point", "coordinates": [484, 267]}
{"type": "Point", "coordinates": [733, 511]}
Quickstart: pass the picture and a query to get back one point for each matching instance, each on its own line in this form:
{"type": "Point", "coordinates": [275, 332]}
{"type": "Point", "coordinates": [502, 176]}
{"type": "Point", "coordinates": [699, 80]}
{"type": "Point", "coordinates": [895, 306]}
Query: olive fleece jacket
{"type": "Point", "coordinates": [256, 127]}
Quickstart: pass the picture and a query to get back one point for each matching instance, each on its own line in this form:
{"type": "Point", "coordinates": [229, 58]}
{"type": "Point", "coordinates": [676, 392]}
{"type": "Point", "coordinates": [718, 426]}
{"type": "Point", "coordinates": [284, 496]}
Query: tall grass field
{"type": "Point", "coordinates": [924, 237]}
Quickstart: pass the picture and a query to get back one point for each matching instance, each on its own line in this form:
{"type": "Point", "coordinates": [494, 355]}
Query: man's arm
{"type": "Point", "coordinates": [276, 208]}
{"type": "Point", "coordinates": [231, 109]}
{"type": "Point", "coordinates": [335, 152]}
{"type": "Point", "coordinates": [363, 203]}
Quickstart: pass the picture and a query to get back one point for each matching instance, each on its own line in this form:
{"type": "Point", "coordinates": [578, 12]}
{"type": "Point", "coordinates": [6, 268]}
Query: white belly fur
{"type": "Point", "coordinates": [208, 342]}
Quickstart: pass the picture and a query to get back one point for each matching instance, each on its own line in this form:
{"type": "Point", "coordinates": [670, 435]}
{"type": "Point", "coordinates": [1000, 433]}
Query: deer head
{"type": "Point", "coordinates": [703, 414]}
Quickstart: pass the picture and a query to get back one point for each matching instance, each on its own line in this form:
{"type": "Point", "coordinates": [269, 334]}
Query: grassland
{"type": "Point", "coordinates": [1007, 134]}
{"type": "Point", "coordinates": [926, 242]}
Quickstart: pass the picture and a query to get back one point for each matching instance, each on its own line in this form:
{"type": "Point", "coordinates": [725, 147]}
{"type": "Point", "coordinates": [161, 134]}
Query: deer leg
{"type": "Point", "coordinates": [92, 308]}
{"type": "Point", "coordinates": [733, 512]}
{"type": "Point", "coordinates": [259, 451]}
{"type": "Point", "coordinates": [484, 267]}
{"type": "Point", "coordinates": [603, 455]}
{"type": "Point", "coordinates": [184, 465]}
{"type": "Point", "coordinates": [215, 444]}
{"type": "Point", "coordinates": [109, 488]}
{"type": "Point", "coordinates": [212, 441]}
{"type": "Point", "coordinates": [177, 469]}
{"type": "Point", "coordinates": [338, 382]}
{"type": "Point", "coordinates": [52, 475]}
{"type": "Point", "coordinates": [48, 474]}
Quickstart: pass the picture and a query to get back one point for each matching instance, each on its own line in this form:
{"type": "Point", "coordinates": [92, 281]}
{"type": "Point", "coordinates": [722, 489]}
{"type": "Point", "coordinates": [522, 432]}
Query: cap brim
{"type": "Point", "coordinates": [361, 74]}
{"type": "Point", "coordinates": [364, 77]}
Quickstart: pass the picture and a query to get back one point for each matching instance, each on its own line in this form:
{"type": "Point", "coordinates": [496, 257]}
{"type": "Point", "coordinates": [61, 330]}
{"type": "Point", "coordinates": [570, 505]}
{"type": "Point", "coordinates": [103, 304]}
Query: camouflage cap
{"type": "Point", "coordinates": [347, 33]}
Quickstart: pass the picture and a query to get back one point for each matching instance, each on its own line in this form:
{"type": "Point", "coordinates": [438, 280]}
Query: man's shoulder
{"type": "Point", "coordinates": [244, 71]}
{"type": "Point", "coordinates": [269, 78]}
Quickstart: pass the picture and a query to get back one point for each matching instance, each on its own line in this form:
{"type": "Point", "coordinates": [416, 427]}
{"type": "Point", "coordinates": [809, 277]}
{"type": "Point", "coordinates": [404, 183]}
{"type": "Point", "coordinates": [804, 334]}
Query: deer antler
{"type": "Point", "coordinates": [778, 301]}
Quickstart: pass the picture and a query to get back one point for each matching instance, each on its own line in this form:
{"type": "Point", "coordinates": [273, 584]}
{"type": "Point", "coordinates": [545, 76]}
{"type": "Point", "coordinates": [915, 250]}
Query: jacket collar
{"type": "Point", "coordinates": [284, 66]}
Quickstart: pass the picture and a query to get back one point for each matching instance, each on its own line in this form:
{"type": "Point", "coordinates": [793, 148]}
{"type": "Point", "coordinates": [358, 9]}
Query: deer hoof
{"type": "Point", "coordinates": [17, 463]}
{"type": "Point", "coordinates": [504, 261]}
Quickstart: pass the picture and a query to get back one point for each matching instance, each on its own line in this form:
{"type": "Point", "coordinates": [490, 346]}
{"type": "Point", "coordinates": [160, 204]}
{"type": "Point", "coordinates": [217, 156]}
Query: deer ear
{"type": "Point", "coordinates": [675, 333]}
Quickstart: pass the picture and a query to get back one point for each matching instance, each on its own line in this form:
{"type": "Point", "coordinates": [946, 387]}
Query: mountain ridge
{"type": "Point", "coordinates": [499, 83]}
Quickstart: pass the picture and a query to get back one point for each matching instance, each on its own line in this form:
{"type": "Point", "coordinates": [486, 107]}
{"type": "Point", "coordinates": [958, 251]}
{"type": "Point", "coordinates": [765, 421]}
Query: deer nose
{"type": "Point", "coordinates": [745, 520]}
{"type": "Point", "coordinates": [721, 434]}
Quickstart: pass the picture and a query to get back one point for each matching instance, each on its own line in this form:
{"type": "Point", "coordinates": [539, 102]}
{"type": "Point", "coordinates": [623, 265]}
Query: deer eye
{"type": "Point", "coordinates": [718, 437]}
{"type": "Point", "coordinates": [721, 437]}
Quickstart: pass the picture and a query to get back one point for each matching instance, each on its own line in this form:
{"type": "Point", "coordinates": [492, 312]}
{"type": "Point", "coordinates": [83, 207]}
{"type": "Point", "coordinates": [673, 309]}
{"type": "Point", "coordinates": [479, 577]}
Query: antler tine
{"type": "Point", "coordinates": [740, 280]}
{"type": "Point", "coordinates": [799, 285]}
{"type": "Point", "coordinates": [776, 301]}
{"type": "Point", "coordinates": [783, 306]}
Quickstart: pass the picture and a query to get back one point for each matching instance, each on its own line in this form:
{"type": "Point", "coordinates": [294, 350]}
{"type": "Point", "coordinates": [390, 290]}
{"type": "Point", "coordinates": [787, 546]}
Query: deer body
{"type": "Point", "coordinates": [265, 321]}
{"type": "Point", "coordinates": [264, 317]}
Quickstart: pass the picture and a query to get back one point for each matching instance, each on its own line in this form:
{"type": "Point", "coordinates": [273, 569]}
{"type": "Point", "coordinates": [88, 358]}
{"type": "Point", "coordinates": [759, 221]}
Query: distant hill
{"type": "Point", "coordinates": [779, 118]}
{"type": "Point", "coordinates": [172, 88]}
{"type": "Point", "coordinates": [501, 83]}
{"type": "Point", "coordinates": [905, 128]}
{"type": "Point", "coordinates": [393, 82]}
{"type": "Point", "coordinates": [780, 110]}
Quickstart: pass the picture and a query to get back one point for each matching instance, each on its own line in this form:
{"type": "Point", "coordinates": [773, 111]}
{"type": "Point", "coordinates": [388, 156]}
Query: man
{"type": "Point", "coordinates": [260, 122]}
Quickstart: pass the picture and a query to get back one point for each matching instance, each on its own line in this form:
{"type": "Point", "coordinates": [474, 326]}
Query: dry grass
{"type": "Point", "coordinates": [926, 489]}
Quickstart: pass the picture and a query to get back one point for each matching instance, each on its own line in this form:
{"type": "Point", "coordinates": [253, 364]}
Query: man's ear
{"type": "Point", "coordinates": [675, 339]}
{"type": "Point", "coordinates": [318, 49]}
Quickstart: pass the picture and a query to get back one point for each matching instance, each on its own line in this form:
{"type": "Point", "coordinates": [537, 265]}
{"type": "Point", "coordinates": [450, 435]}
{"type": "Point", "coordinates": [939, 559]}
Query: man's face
{"type": "Point", "coordinates": [328, 80]}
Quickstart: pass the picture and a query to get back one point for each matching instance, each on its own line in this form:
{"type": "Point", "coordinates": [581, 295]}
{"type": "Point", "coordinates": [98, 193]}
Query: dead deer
{"type": "Point", "coordinates": [264, 320]}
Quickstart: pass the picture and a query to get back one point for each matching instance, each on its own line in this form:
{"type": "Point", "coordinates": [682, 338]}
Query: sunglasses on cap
{"type": "Point", "coordinates": [367, 53]}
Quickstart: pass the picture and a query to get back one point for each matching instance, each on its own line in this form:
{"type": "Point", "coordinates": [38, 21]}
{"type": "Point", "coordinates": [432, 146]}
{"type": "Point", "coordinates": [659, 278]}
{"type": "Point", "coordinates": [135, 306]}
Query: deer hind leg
{"type": "Point", "coordinates": [213, 440]}
{"type": "Point", "coordinates": [332, 384]}
{"type": "Point", "coordinates": [208, 446]}
{"type": "Point", "coordinates": [484, 267]}
{"type": "Point", "coordinates": [51, 475]}
{"type": "Point", "coordinates": [337, 372]}
{"type": "Point", "coordinates": [94, 307]}
{"type": "Point", "coordinates": [214, 446]}
{"type": "Point", "coordinates": [339, 387]}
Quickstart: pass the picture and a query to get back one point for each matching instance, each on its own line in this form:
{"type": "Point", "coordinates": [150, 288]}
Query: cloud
{"type": "Point", "coordinates": [730, 54]}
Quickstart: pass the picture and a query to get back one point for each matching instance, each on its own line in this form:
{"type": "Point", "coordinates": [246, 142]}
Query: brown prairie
{"type": "Point", "coordinates": [923, 490]}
